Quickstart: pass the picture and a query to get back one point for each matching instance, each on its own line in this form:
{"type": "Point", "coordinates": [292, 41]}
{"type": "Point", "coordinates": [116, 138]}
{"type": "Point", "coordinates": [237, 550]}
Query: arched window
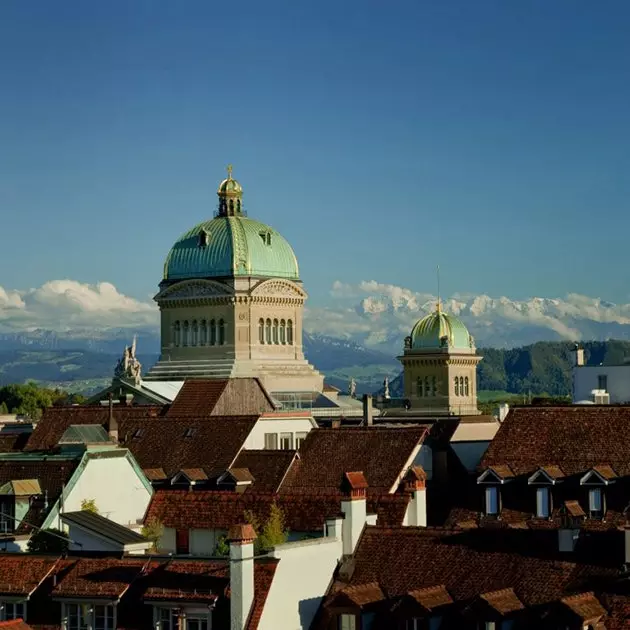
{"type": "Point", "coordinates": [232, 206]}
{"type": "Point", "coordinates": [283, 332]}
{"type": "Point", "coordinates": [177, 334]}
{"type": "Point", "coordinates": [275, 331]}
{"type": "Point", "coordinates": [195, 333]}
{"type": "Point", "coordinates": [186, 333]}
{"type": "Point", "coordinates": [261, 330]}
{"type": "Point", "coordinates": [427, 390]}
{"type": "Point", "coordinates": [204, 333]}
{"type": "Point", "coordinates": [466, 390]}
{"type": "Point", "coordinates": [213, 332]}
{"type": "Point", "coordinates": [461, 385]}
{"type": "Point", "coordinates": [268, 331]}
{"type": "Point", "coordinates": [434, 386]}
{"type": "Point", "coordinates": [456, 386]}
{"type": "Point", "coordinates": [238, 206]}
{"type": "Point", "coordinates": [221, 332]}
{"type": "Point", "coordinates": [290, 332]}
{"type": "Point", "coordinates": [419, 386]}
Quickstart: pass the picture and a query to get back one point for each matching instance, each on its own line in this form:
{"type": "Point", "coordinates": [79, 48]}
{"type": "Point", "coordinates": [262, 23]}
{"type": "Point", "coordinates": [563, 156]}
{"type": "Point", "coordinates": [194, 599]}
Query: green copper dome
{"type": "Point", "coordinates": [231, 246]}
{"type": "Point", "coordinates": [440, 330]}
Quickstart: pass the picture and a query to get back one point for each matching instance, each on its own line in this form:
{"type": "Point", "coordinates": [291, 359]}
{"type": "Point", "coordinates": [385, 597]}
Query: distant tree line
{"type": "Point", "coordinates": [30, 400]}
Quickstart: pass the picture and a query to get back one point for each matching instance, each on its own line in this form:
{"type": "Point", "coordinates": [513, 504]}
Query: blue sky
{"type": "Point", "coordinates": [381, 138]}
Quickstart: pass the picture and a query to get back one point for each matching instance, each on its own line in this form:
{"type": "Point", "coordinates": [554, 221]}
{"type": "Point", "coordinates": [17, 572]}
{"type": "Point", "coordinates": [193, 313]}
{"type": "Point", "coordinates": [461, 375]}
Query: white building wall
{"type": "Point", "coordinates": [585, 380]}
{"type": "Point", "coordinates": [301, 580]}
{"type": "Point", "coordinates": [116, 488]}
{"type": "Point", "coordinates": [82, 541]}
{"type": "Point", "coordinates": [256, 438]}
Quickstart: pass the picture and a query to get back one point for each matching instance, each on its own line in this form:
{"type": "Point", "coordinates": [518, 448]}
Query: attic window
{"type": "Point", "coordinates": [138, 433]}
{"type": "Point", "coordinates": [189, 432]}
{"type": "Point", "coordinates": [266, 237]}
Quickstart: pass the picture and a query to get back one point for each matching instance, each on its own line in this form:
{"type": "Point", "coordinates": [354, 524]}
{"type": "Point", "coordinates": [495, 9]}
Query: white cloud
{"type": "Point", "coordinates": [62, 305]}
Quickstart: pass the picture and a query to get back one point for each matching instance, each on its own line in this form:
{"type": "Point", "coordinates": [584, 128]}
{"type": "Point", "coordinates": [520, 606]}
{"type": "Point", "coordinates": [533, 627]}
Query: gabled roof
{"type": "Point", "coordinates": [549, 474]}
{"type": "Point", "coordinates": [21, 574]}
{"type": "Point", "coordinates": [383, 454]}
{"type": "Point", "coordinates": [585, 606]}
{"type": "Point", "coordinates": [56, 420]}
{"type": "Point", "coordinates": [200, 398]}
{"type": "Point", "coordinates": [503, 601]}
{"type": "Point", "coordinates": [575, 438]}
{"type": "Point", "coordinates": [267, 467]}
{"type": "Point", "coordinates": [432, 597]}
{"type": "Point", "coordinates": [163, 442]}
{"type": "Point", "coordinates": [21, 488]}
{"type": "Point", "coordinates": [103, 527]}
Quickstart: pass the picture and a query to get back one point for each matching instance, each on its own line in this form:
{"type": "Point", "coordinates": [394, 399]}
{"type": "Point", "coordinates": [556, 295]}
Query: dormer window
{"type": "Point", "coordinates": [204, 238]}
{"type": "Point", "coordinates": [491, 501]}
{"type": "Point", "coordinates": [543, 502]}
{"type": "Point", "coordinates": [138, 433]}
{"type": "Point", "coordinates": [596, 502]}
{"type": "Point", "coordinates": [595, 481]}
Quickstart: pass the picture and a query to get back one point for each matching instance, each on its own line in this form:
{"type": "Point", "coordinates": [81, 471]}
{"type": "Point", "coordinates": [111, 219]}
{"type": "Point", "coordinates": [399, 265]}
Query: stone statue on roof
{"type": "Point", "coordinates": [352, 388]}
{"type": "Point", "coordinates": [128, 365]}
{"type": "Point", "coordinates": [386, 394]}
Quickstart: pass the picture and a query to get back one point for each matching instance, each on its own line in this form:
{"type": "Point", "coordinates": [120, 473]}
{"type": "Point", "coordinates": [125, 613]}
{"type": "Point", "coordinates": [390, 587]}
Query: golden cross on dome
{"type": "Point", "coordinates": [229, 170]}
{"type": "Point", "coordinates": [438, 305]}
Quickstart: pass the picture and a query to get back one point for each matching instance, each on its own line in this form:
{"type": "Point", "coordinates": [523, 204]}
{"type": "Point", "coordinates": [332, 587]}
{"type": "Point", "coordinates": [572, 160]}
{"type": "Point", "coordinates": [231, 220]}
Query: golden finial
{"type": "Point", "coordinates": [229, 170]}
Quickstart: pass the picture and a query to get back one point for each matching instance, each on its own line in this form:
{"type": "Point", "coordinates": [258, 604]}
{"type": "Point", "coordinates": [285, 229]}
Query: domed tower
{"type": "Point", "coordinates": [440, 366]}
{"type": "Point", "coordinates": [231, 303]}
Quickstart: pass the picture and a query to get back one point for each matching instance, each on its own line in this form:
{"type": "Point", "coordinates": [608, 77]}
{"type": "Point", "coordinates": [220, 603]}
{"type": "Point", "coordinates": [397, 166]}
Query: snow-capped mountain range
{"type": "Point", "coordinates": [366, 317]}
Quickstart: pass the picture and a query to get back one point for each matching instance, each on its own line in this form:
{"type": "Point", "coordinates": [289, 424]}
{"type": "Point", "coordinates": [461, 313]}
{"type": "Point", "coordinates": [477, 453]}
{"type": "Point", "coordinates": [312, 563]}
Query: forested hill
{"type": "Point", "coordinates": [544, 367]}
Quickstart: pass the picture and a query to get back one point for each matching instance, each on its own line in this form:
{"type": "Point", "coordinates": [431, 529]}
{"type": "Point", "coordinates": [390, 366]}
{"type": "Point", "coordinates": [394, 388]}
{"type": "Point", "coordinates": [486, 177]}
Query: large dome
{"type": "Point", "coordinates": [231, 246]}
{"type": "Point", "coordinates": [440, 330]}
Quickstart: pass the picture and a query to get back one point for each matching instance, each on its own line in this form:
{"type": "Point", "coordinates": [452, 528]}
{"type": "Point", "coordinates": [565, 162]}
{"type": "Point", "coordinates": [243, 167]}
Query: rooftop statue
{"type": "Point", "coordinates": [128, 366]}
{"type": "Point", "coordinates": [352, 388]}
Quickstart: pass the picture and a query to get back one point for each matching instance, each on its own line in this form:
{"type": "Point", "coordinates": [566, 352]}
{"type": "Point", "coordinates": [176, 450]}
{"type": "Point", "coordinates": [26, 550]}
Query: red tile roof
{"type": "Point", "coordinates": [241, 532]}
{"type": "Point", "coordinates": [327, 454]}
{"type": "Point", "coordinates": [355, 480]}
{"type": "Point", "coordinates": [475, 562]}
{"type": "Point", "coordinates": [21, 574]}
{"type": "Point", "coordinates": [13, 441]}
{"type": "Point", "coordinates": [188, 580]}
{"type": "Point", "coordinates": [586, 606]}
{"type": "Point", "coordinates": [432, 597]}
{"type": "Point", "coordinates": [264, 571]}
{"type": "Point", "coordinates": [106, 578]}
{"type": "Point", "coordinates": [268, 467]}
{"type": "Point", "coordinates": [174, 444]}
{"type": "Point", "coordinates": [575, 438]}
{"type": "Point", "coordinates": [503, 601]}
{"type": "Point", "coordinates": [207, 509]}
{"type": "Point", "coordinates": [201, 398]}
{"type": "Point", "coordinates": [56, 420]}
{"type": "Point", "coordinates": [15, 624]}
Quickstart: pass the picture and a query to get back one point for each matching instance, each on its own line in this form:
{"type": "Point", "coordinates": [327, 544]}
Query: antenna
{"type": "Point", "coordinates": [438, 288]}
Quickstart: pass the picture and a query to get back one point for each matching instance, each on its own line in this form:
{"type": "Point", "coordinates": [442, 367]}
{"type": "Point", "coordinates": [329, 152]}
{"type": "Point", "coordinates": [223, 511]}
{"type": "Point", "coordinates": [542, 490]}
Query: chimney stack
{"type": "Point", "coordinates": [112, 424]}
{"type": "Point", "coordinates": [368, 410]}
{"type": "Point", "coordinates": [415, 482]}
{"type": "Point", "coordinates": [354, 510]}
{"type": "Point", "coordinates": [579, 355]}
{"type": "Point", "coordinates": [241, 539]}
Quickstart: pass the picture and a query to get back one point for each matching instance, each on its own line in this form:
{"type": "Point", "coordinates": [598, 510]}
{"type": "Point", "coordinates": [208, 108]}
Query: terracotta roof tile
{"type": "Point", "coordinates": [203, 398]}
{"type": "Point", "coordinates": [206, 509]}
{"type": "Point", "coordinates": [56, 420]}
{"type": "Point", "coordinates": [469, 564]}
{"type": "Point", "coordinates": [108, 578]}
{"type": "Point", "coordinates": [586, 606]}
{"type": "Point", "coordinates": [555, 472]}
{"type": "Point", "coordinates": [381, 453]}
{"type": "Point", "coordinates": [264, 571]}
{"type": "Point", "coordinates": [502, 471]}
{"type": "Point", "coordinates": [355, 480]}
{"type": "Point", "coordinates": [268, 467]}
{"type": "Point", "coordinates": [573, 508]}
{"type": "Point", "coordinates": [193, 581]}
{"type": "Point", "coordinates": [155, 474]}
{"type": "Point", "coordinates": [503, 601]}
{"type": "Point", "coordinates": [241, 475]}
{"type": "Point", "coordinates": [364, 593]}
{"type": "Point", "coordinates": [432, 597]}
{"type": "Point", "coordinates": [15, 624]}
{"type": "Point", "coordinates": [241, 532]}
{"type": "Point", "coordinates": [605, 471]}
{"type": "Point", "coordinates": [21, 574]}
{"type": "Point", "coordinates": [194, 474]}
{"type": "Point", "coordinates": [13, 441]}
{"type": "Point", "coordinates": [575, 438]}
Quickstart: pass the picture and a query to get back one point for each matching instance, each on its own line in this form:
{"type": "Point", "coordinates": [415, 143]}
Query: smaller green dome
{"type": "Point", "coordinates": [230, 186]}
{"type": "Point", "coordinates": [440, 330]}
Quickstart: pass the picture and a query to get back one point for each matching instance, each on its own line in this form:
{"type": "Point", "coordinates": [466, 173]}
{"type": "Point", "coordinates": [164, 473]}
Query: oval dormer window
{"type": "Point", "coordinates": [204, 238]}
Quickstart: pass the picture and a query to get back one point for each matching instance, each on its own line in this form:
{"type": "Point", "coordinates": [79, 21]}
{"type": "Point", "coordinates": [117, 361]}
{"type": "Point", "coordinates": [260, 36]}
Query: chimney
{"type": "Point", "coordinates": [354, 510]}
{"type": "Point", "coordinates": [571, 516]}
{"type": "Point", "coordinates": [415, 483]}
{"type": "Point", "coordinates": [241, 539]}
{"type": "Point", "coordinates": [112, 424]}
{"type": "Point", "coordinates": [368, 410]}
{"type": "Point", "coordinates": [579, 356]}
